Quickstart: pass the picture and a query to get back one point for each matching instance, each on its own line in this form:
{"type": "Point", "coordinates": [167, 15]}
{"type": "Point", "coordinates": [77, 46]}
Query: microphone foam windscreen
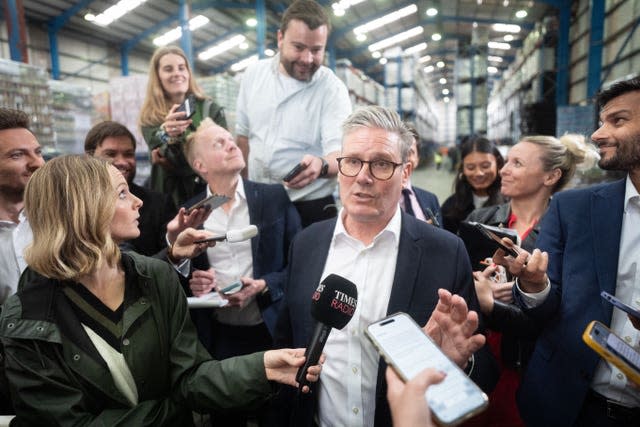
{"type": "Point", "coordinates": [334, 301]}
{"type": "Point", "coordinates": [242, 234]}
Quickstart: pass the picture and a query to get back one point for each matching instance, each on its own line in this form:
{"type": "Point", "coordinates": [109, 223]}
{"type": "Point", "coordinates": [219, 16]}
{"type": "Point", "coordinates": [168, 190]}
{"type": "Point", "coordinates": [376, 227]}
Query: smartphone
{"type": "Point", "coordinates": [211, 239]}
{"type": "Point", "coordinates": [486, 232]}
{"type": "Point", "coordinates": [188, 106]}
{"type": "Point", "coordinates": [622, 306]}
{"type": "Point", "coordinates": [294, 172]}
{"type": "Point", "coordinates": [212, 202]}
{"type": "Point", "coordinates": [232, 288]}
{"type": "Point", "coordinates": [408, 350]}
{"type": "Point", "coordinates": [613, 349]}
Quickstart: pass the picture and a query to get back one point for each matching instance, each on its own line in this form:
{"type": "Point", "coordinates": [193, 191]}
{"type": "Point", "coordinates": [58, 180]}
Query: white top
{"type": "Point", "coordinates": [284, 119]}
{"type": "Point", "coordinates": [479, 201]}
{"type": "Point", "coordinates": [609, 380]}
{"type": "Point", "coordinates": [232, 260]}
{"type": "Point", "coordinates": [348, 382]}
{"type": "Point", "coordinates": [14, 238]}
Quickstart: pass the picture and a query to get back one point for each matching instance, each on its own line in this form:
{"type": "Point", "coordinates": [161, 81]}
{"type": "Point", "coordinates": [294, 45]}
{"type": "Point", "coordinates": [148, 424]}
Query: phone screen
{"type": "Point", "coordinates": [613, 349]}
{"type": "Point", "coordinates": [405, 347]}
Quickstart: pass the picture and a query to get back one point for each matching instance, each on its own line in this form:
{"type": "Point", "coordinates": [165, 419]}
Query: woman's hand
{"type": "Point", "coordinates": [185, 246]}
{"type": "Point", "coordinates": [483, 283]}
{"type": "Point", "coordinates": [282, 366]}
{"type": "Point", "coordinates": [407, 400]}
{"type": "Point", "coordinates": [175, 123]}
{"type": "Point", "coordinates": [530, 269]}
{"type": "Point", "coordinates": [202, 282]}
{"type": "Point", "coordinates": [184, 220]}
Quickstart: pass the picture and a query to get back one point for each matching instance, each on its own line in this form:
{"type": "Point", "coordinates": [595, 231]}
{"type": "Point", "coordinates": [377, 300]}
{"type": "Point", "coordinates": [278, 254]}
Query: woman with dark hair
{"type": "Point", "coordinates": [477, 183]}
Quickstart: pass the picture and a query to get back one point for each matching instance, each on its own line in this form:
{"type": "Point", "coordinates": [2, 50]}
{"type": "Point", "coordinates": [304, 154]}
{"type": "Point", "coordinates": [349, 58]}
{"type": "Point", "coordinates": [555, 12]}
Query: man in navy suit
{"type": "Point", "coordinates": [591, 240]}
{"type": "Point", "coordinates": [397, 262]}
{"type": "Point", "coordinates": [247, 323]}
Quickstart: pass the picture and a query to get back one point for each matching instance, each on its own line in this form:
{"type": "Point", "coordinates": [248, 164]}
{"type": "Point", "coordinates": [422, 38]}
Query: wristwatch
{"type": "Point", "coordinates": [324, 169]}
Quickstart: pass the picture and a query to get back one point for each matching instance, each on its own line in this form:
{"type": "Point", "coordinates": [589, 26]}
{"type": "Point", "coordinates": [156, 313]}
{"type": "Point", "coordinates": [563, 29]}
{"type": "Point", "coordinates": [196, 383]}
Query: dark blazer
{"type": "Point", "coordinates": [278, 222]}
{"type": "Point", "coordinates": [427, 199]}
{"type": "Point", "coordinates": [156, 211]}
{"type": "Point", "coordinates": [428, 258]}
{"type": "Point", "coordinates": [581, 233]}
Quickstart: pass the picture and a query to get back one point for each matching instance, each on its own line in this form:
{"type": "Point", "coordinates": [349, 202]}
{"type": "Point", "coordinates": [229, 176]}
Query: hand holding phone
{"type": "Point", "coordinates": [613, 349]}
{"type": "Point", "coordinates": [232, 288]}
{"type": "Point", "coordinates": [621, 305]}
{"type": "Point", "coordinates": [212, 202]}
{"type": "Point", "coordinates": [294, 172]}
{"type": "Point", "coordinates": [188, 106]}
{"type": "Point", "coordinates": [408, 350]}
{"type": "Point", "coordinates": [489, 234]}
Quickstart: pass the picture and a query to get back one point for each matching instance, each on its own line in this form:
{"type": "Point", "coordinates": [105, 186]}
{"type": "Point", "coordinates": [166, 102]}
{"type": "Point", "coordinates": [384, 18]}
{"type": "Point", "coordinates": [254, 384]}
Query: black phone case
{"type": "Point", "coordinates": [293, 172]}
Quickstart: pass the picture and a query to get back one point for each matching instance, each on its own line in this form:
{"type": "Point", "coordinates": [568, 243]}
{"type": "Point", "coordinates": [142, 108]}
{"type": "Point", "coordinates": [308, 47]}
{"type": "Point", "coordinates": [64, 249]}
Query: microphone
{"type": "Point", "coordinates": [233, 236]}
{"type": "Point", "coordinates": [332, 306]}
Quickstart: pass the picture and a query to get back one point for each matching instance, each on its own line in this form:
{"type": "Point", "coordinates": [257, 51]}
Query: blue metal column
{"type": "Point", "coordinates": [595, 47]}
{"type": "Point", "coordinates": [562, 54]}
{"type": "Point", "coordinates": [185, 40]}
{"type": "Point", "coordinates": [53, 51]}
{"type": "Point", "coordinates": [14, 34]}
{"type": "Point", "coordinates": [261, 28]}
{"type": "Point", "coordinates": [124, 60]}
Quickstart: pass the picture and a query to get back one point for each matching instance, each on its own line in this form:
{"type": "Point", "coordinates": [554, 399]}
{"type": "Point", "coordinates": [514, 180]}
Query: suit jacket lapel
{"type": "Point", "coordinates": [407, 264]}
{"type": "Point", "coordinates": [255, 204]}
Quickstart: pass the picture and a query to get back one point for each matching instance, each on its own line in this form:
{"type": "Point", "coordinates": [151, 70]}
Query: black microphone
{"type": "Point", "coordinates": [333, 304]}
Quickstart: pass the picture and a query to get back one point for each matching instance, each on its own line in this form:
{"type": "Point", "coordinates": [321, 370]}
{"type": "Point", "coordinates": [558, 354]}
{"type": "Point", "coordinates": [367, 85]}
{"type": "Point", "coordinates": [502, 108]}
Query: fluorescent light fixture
{"type": "Point", "coordinates": [269, 52]}
{"type": "Point", "coordinates": [244, 45]}
{"type": "Point", "coordinates": [251, 22]}
{"type": "Point", "coordinates": [446, 99]}
{"type": "Point", "coordinates": [436, 37]}
{"type": "Point", "coordinates": [361, 37]}
{"type": "Point", "coordinates": [508, 38]}
{"type": "Point", "coordinates": [475, 24]}
{"type": "Point", "coordinates": [383, 60]}
{"type": "Point", "coordinates": [506, 28]}
{"type": "Point", "coordinates": [376, 54]}
{"type": "Point", "coordinates": [415, 49]}
{"type": "Point", "coordinates": [445, 91]}
{"type": "Point", "coordinates": [400, 37]}
{"type": "Point", "coordinates": [175, 33]}
{"type": "Point", "coordinates": [241, 65]}
{"type": "Point", "coordinates": [495, 58]}
{"type": "Point", "coordinates": [424, 59]}
{"type": "Point", "coordinates": [505, 3]}
{"type": "Point", "coordinates": [432, 11]}
{"type": "Point", "coordinates": [338, 12]}
{"type": "Point", "coordinates": [221, 47]}
{"type": "Point", "coordinates": [345, 4]}
{"type": "Point", "coordinates": [443, 81]}
{"type": "Point", "coordinates": [440, 64]}
{"type": "Point", "coordinates": [499, 45]}
{"type": "Point", "coordinates": [428, 68]}
{"type": "Point", "coordinates": [386, 19]}
{"type": "Point", "coordinates": [114, 12]}
{"type": "Point", "coordinates": [492, 70]}
{"type": "Point", "coordinates": [521, 14]}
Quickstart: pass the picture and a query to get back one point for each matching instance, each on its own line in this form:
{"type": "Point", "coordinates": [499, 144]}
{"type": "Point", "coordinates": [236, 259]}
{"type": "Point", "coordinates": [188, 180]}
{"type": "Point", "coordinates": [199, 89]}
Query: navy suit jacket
{"type": "Point", "coordinates": [427, 199]}
{"type": "Point", "coordinates": [581, 233]}
{"type": "Point", "coordinates": [428, 258]}
{"type": "Point", "coordinates": [278, 222]}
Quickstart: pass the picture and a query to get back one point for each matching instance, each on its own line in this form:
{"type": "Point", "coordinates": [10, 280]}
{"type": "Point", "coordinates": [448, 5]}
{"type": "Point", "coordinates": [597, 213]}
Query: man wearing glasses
{"type": "Point", "coordinates": [397, 262]}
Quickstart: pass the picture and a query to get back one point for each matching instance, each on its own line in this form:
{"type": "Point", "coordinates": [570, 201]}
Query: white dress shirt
{"type": "Point", "coordinates": [232, 260]}
{"type": "Point", "coordinates": [284, 119]}
{"type": "Point", "coordinates": [14, 238]}
{"type": "Point", "coordinates": [348, 382]}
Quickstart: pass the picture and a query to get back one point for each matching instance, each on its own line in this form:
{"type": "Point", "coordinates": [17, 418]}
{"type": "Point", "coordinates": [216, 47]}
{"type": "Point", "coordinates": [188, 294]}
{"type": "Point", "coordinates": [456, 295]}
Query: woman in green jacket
{"type": "Point", "coordinates": [164, 128]}
{"type": "Point", "coordinates": [96, 336]}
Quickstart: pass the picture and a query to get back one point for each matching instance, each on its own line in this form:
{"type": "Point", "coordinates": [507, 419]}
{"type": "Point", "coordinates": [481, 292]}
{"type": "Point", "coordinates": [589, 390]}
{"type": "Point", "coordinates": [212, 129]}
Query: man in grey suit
{"type": "Point", "coordinates": [397, 262]}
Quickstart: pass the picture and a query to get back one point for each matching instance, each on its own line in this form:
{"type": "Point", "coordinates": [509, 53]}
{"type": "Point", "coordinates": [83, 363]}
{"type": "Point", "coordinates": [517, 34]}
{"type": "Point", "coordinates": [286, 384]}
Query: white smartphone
{"type": "Point", "coordinates": [408, 350]}
{"type": "Point", "coordinates": [613, 349]}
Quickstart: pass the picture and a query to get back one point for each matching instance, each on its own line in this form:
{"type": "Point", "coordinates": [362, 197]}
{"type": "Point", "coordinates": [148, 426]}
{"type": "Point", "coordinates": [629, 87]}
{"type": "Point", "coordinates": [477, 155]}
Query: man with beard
{"type": "Point", "coordinates": [113, 142]}
{"type": "Point", "coordinates": [590, 240]}
{"type": "Point", "coordinates": [289, 111]}
{"type": "Point", "coordinates": [20, 156]}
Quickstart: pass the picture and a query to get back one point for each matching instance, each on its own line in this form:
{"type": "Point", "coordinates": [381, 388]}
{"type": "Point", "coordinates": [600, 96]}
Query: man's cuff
{"type": "Point", "coordinates": [531, 300]}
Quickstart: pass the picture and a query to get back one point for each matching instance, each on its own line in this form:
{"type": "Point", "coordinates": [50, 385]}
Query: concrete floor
{"type": "Point", "coordinates": [438, 182]}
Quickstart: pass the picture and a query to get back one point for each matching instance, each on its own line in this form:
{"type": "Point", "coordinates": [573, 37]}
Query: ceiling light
{"type": "Point", "coordinates": [383, 61]}
{"type": "Point", "coordinates": [385, 20]}
{"type": "Point", "coordinates": [376, 54]}
{"type": "Point", "coordinates": [175, 33]}
{"type": "Point", "coordinates": [440, 64]}
{"type": "Point", "coordinates": [221, 47]}
{"type": "Point", "coordinates": [479, 2]}
{"type": "Point", "coordinates": [499, 45]}
{"type": "Point", "coordinates": [446, 98]}
{"type": "Point", "coordinates": [338, 12]}
{"type": "Point", "coordinates": [495, 58]}
{"type": "Point", "coordinates": [116, 11]}
{"type": "Point", "coordinates": [269, 52]}
{"type": "Point", "coordinates": [445, 91]}
{"type": "Point", "coordinates": [506, 28]}
{"type": "Point", "coordinates": [251, 22]}
{"type": "Point", "coordinates": [361, 37]}
{"type": "Point", "coordinates": [241, 65]}
{"type": "Point", "coordinates": [345, 4]}
{"type": "Point", "coordinates": [428, 68]}
{"type": "Point", "coordinates": [89, 17]}
{"type": "Point", "coordinates": [390, 41]}
{"type": "Point", "coordinates": [436, 37]}
{"type": "Point", "coordinates": [415, 49]}
{"type": "Point", "coordinates": [443, 81]}
{"type": "Point", "coordinates": [475, 24]}
{"type": "Point", "coordinates": [244, 45]}
{"type": "Point", "coordinates": [492, 70]}
{"type": "Point", "coordinates": [508, 37]}
{"type": "Point", "coordinates": [432, 11]}
{"type": "Point", "coordinates": [425, 58]}
{"type": "Point", "coordinates": [505, 3]}
{"type": "Point", "coordinates": [521, 14]}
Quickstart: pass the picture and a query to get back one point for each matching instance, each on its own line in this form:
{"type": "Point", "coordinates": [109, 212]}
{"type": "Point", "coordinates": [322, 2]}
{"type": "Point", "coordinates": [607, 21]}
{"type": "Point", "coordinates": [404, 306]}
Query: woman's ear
{"type": "Point", "coordinates": [552, 177]}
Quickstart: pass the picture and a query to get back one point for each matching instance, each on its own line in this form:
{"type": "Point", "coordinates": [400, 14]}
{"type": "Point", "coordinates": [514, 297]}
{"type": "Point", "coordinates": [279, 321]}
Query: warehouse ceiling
{"type": "Point", "coordinates": [455, 21]}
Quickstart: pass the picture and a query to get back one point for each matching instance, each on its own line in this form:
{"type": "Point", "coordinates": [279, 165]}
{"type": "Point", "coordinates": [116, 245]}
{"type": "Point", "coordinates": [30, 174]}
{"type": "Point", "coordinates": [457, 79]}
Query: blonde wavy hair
{"type": "Point", "coordinates": [156, 102]}
{"type": "Point", "coordinates": [564, 153]}
{"type": "Point", "coordinates": [70, 202]}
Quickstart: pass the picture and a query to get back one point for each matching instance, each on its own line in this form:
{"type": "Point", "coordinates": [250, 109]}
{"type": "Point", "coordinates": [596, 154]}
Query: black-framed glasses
{"type": "Point", "coordinates": [379, 169]}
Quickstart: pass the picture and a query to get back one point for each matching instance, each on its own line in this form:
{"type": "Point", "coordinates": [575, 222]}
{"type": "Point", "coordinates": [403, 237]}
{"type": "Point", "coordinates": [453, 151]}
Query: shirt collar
{"type": "Point", "coordinates": [630, 193]}
{"type": "Point", "coordinates": [392, 228]}
{"type": "Point", "coordinates": [240, 194]}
